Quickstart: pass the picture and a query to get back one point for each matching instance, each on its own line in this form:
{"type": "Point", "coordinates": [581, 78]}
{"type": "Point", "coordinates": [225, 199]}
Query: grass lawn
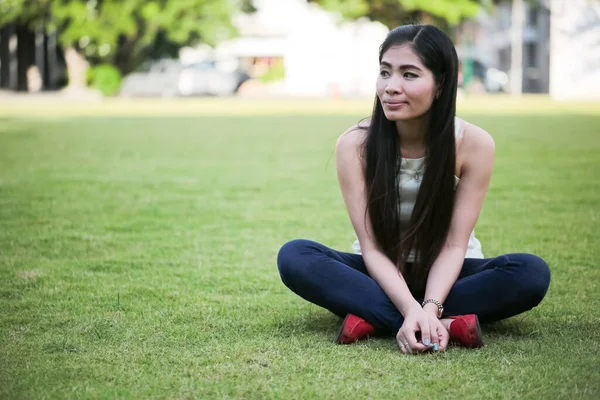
{"type": "Point", "coordinates": [138, 245]}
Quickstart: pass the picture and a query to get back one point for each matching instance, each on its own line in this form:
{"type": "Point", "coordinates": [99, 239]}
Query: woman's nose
{"type": "Point", "coordinates": [394, 85]}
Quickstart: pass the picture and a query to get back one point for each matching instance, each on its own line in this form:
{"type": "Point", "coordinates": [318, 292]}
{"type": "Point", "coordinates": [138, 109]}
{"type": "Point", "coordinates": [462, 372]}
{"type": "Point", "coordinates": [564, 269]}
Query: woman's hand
{"type": "Point", "coordinates": [421, 331]}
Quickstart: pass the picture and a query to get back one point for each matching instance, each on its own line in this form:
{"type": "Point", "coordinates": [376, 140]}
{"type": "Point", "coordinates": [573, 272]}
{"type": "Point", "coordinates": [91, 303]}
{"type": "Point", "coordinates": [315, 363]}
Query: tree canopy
{"type": "Point", "coordinates": [120, 31]}
{"type": "Point", "coordinates": [396, 12]}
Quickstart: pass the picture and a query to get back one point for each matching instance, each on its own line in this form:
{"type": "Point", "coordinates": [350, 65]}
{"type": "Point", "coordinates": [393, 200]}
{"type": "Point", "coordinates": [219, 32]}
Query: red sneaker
{"type": "Point", "coordinates": [354, 329]}
{"type": "Point", "coordinates": [465, 331]}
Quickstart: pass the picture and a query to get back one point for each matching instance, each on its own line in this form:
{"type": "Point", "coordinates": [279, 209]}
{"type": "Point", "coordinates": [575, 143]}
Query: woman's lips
{"type": "Point", "coordinates": [395, 105]}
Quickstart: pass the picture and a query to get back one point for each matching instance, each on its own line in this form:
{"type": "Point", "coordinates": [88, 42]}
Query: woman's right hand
{"type": "Point", "coordinates": [432, 332]}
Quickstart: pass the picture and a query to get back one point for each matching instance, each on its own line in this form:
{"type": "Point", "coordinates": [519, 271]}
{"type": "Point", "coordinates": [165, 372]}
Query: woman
{"type": "Point", "coordinates": [414, 178]}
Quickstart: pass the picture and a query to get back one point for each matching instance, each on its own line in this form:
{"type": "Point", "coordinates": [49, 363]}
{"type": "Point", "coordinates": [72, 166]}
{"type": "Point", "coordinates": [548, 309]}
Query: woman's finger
{"type": "Point", "coordinates": [434, 334]}
{"type": "Point", "coordinates": [443, 337]}
{"type": "Point", "coordinates": [414, 345]}
{"type": "Point", "coordinates": [402, 343]}
{"type": "Point", "coordinates": [403, 348]}
{"type": "Point", "coordinates": [425, 332]}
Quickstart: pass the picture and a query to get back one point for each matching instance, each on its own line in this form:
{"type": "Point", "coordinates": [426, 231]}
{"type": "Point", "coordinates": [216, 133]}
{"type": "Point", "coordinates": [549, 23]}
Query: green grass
{"type": "Point", "coordinates": [137, 254]}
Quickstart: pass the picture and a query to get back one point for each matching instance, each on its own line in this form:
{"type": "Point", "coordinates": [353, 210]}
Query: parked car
{"type": "Point", "coordinates": [170, 78]}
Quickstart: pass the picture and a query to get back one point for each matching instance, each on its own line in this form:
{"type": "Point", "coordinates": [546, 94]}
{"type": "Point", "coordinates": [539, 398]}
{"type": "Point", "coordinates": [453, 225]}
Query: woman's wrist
{"type": "Point", "coordinates": [406, 309]}
{"type": "Point", "coordinates": [431, 308]}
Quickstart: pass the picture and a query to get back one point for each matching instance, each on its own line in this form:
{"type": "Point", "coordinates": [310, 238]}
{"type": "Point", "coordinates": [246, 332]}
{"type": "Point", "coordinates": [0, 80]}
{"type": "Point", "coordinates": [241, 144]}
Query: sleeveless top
{"type": "Point", "coordinates": [411, 173]}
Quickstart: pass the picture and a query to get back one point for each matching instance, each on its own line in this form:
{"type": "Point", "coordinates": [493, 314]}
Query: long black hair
{"type": "Point", "coordinates": [432, 213]}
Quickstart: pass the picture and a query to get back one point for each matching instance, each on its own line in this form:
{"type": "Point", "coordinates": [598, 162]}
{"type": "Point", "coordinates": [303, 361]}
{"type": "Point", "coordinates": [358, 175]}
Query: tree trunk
{"type": "Point", "coordinates": [6, 57]}
{"type": "Point", "coordinates": [126, 56]}
{"type": "Point", "coordinates": [50, 77]}
{"type": "Point", "coordinates": [77, 68]}
{"type": "Point", "coordinates": [25, 56]}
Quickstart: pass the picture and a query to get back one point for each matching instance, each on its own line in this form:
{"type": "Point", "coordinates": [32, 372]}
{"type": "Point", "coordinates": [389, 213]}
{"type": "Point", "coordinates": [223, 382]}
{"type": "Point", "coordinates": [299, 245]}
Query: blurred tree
{"type": "Point", "coordinates": [123, 32]}
{"type": "Point", "coordinates": [444, 13]}
{"type": "Point", "coordinates": [22, 11]}
{"type": "Point", "coordinates": [21, 20]}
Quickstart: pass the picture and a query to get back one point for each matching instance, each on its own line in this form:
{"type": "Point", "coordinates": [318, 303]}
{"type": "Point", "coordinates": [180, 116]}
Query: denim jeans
{"type": "Point", "coordinates": [493, 288]}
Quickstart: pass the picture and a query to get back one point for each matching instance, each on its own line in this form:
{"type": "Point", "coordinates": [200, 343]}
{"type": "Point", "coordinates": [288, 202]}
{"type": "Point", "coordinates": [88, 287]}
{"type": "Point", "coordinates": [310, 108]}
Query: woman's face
{"type": "Point", "coordinates": [405, 87]}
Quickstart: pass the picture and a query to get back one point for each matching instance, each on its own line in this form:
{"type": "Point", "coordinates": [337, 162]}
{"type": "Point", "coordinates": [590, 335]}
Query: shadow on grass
{"type": "Point", "coordinates": [519, 327]}
{"type": "Point", "coordinates": [324, 323]}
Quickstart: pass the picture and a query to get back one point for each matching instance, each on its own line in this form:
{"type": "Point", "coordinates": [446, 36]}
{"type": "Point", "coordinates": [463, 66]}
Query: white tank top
{"type": "Point", "coordinates": [411, 175]}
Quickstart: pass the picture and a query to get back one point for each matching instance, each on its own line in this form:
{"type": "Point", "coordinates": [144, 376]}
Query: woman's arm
{"type": "Point", "coordinates": [477, 150]}
{"type": "Point", "coordinates": [351, 178]}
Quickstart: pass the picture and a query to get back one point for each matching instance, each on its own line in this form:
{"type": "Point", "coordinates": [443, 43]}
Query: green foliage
{"type": "Point", "coordinates": [105, 78]}
{"type": "Point", "coordinates": [395, 12]}
{"type": "Point", "coordinates": [182, 20]}
{"type": "Point", "coordinates": [23, 11]}
{"type": "Point", "coordinates": [121, 31]}
{"type": "Point", "coordinates": [129, 26]}
{"type": "Point", "coordinates": [451, 10]}
{"type": "Point", "coordinates": [89, 24]}
{"type": "Point", "coordinates": [348, 8]}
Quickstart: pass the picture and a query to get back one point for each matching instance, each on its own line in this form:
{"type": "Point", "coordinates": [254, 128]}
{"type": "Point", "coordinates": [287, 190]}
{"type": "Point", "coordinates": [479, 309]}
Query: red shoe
{"type": "Point", "coordinates": [465, 330]}
{"type": "Point", "coordinates": [354, 329]}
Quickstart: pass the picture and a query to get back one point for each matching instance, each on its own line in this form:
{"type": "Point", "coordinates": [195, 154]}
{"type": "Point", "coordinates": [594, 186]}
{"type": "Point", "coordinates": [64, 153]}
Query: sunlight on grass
{"type": "Point", "coordinates": [60, 108]}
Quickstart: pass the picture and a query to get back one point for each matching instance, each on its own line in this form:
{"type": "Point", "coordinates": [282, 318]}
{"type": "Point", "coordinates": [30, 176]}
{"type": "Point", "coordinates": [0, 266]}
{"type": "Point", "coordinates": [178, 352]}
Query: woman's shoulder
{"type": "Point", "coordinates": [361, 128]}
{"type": "Point", "coordinates": [471, 137]}
{"type": "Point", "coordinates": [350, 143]}
{"type": "Point", "coordinates": [354, 135]}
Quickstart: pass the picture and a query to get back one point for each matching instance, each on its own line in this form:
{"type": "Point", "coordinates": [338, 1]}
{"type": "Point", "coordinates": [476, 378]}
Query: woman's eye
{"type": "Point", "coordinates": [410, 75]}
{"type": "Point", "coordinates": [384, 74]}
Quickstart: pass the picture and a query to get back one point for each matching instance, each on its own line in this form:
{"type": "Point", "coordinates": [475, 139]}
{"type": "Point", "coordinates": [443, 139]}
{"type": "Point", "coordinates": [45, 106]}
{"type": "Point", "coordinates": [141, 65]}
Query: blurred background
{"type": "Point", "coordinates": [323, 48]}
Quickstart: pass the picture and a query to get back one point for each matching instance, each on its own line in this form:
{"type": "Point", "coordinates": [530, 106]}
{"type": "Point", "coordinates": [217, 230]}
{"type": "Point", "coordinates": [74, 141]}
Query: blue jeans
{"type": "Point", "coordinates": [493, 288]}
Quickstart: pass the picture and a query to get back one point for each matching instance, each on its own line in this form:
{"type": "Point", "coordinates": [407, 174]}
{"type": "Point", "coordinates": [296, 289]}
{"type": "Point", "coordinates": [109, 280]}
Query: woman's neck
{"type": "Point", "coordinates": [412, 136]}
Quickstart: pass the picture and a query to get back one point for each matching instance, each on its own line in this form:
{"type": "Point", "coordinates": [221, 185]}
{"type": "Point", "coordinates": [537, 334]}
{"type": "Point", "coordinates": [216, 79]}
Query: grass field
{"type": "Point", "coordinates": [138, 245]}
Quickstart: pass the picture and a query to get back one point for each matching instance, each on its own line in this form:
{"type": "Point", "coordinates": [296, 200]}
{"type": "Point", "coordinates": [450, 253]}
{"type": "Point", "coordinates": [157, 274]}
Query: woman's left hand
{"type": "Point", "coordinates": [438, 333]}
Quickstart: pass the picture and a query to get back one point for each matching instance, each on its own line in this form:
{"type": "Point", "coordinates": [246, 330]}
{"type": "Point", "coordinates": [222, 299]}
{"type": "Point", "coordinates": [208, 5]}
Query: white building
{"type": "Point", "coordinates": [575, 49]}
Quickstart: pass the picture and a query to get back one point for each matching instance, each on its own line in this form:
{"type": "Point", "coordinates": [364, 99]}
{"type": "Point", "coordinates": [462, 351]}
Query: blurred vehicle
{"type": "Point", "coordinates": [170, 78]}
{"type": "Point", "coordinates": [493, 79]}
